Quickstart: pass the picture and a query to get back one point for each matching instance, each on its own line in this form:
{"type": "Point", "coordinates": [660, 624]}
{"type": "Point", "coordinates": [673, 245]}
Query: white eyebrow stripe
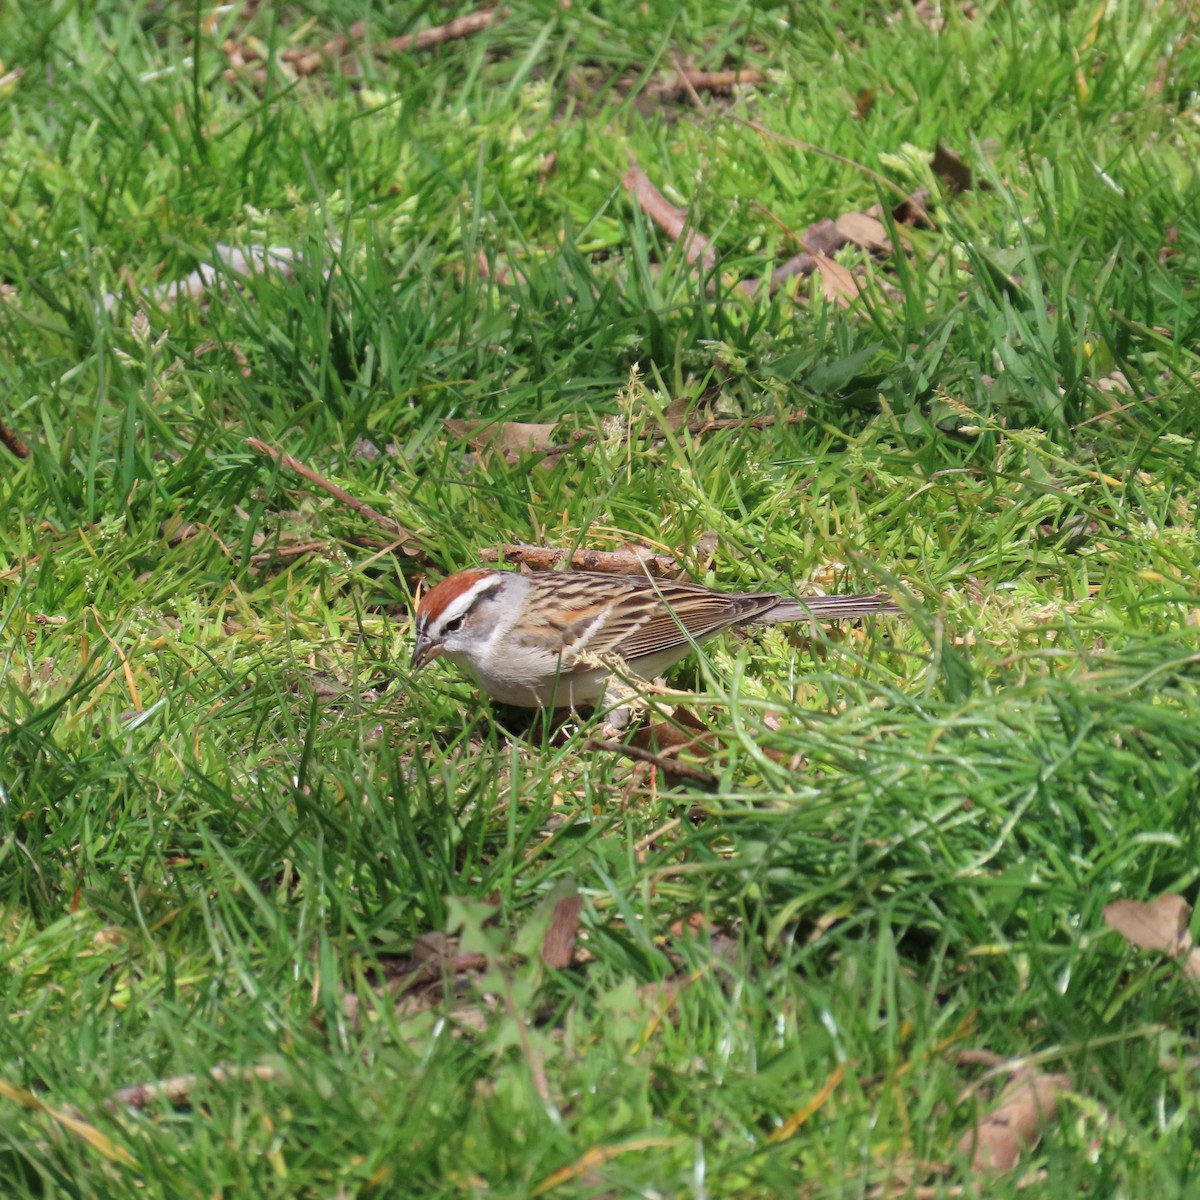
{"type": "Point", "coordinates": [460, 604]}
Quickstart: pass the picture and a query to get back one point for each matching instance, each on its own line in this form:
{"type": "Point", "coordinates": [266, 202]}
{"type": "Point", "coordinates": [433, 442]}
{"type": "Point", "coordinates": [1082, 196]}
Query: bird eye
{"type": "Point", "coordinates": [453, 626]}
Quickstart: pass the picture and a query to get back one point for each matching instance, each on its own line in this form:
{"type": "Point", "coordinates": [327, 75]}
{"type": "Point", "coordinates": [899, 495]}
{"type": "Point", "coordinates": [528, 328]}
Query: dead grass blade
{"type": "Point", "coordinates": [804, 1113]}
{"type": "Point", "coordinates": [76, 1126]}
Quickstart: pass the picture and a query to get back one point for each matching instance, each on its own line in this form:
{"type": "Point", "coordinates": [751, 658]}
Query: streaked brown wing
{"type": "Point", "coordinates": [645, 616]}
{"type": "Point", "coordinates": [697, 609]}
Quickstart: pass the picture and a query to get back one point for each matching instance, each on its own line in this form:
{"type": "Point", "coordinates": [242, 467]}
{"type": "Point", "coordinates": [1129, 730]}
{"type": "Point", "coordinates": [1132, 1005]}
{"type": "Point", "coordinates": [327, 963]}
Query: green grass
{"type": "Point", "coordinates": [228, 813]}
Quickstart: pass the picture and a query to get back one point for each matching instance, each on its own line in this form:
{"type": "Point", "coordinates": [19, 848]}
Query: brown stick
{"type": "Point", "coordinates": [672, 220]}
{"type": "Point", "coordinates": [360, 506]}
{"type": "Point", "coordinates": [460, 27]}
{"type": "Point", "coordinates": [684, 82]}
{"type": "Point", "coordinates": [668, 766]}
{"type": "Point", "coordinates": [177, 1089]}
{"type": "Point", "coordinates": [13, 441]}
{"type": "Point", "coordinates": [635, 561]}
{"type": "Point", "coordinates": [700, 427]}
{"type": "Point", "coordinates": [294, 550]}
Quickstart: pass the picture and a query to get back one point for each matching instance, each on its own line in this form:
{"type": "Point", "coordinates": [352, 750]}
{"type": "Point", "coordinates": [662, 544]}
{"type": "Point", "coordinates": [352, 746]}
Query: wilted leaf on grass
{"type": "Point", "coordinates": [511, 438]}
{"type": "Point", "coordinates": [436, 967]}
{"type": "Point", "coordinates": [865, 231]}
{"type": "Point", "coordinates": [913, 209]}
{"type": "Point", "coordinates": [837, 283]}
{"type": "Point", "coordinates": [558, 943]}
{"type": "Point", "coordinates": [1160, 924]}
{"type": "Point", "coordinates": [13, 441]}
{"type": "Point", "coordinates": [1027, 1105]}
{"type": "Point", "coordinates": [951, 170]}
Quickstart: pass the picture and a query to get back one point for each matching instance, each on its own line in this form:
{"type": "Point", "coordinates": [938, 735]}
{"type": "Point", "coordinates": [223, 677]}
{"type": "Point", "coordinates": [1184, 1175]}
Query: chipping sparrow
{"type": "Point", "coordinates": [547, 639]}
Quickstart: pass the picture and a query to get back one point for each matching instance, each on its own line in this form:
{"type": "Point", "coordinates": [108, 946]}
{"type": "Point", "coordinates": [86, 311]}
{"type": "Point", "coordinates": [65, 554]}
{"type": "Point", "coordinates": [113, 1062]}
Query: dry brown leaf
{"type": "Point", "coordinates": [837, 283]}
{"type": "Point", "coordinates": [1027, 1105]}
{"type": "Point", "coordinates": [558, 944]}
{"type": "Point", "coordinates": [864, 231]}
{"type": "Point", "coordinates": [685, 731]}
{"type": "Point", "coordinates": [675, 415]}
{"type": "Point", "coordinates": [914, 209]}
{"type": "Point", "coordinates": [951, 170]}
{"type": "Point", "coordinates": [512, 438]}
{"type": "Point", "coordinates": [1160, 924]}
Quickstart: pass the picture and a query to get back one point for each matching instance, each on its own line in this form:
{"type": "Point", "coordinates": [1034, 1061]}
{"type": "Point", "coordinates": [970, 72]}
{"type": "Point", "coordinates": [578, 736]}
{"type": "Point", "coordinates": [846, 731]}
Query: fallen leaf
{"type": "Point", "coordinates": [836, 281]}
{"type": "Point", "coordinates": [512, 438]}
{"type": "Point", "coordinates": [913, 210]}
{"type": "Point", "coordinates": [951, 170]}
{"type": "Point", "coordinates": [1160, 924]}
{"type": "Point", "coordinates": [1027, 1105]}
{"type": "Point", "coordinates": [558, 944]}
{"type": "Point", "coordinates": [864, 231]}
{"type": "Point", "coordinates": [673, 221]}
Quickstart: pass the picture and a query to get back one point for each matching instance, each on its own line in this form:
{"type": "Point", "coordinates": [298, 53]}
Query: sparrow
{"type": "Point", "coordinates": [553, 639]}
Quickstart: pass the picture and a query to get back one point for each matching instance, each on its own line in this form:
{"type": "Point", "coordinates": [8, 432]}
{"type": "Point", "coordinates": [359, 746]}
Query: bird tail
{"type": "Point", "coordinates": [829, 608]}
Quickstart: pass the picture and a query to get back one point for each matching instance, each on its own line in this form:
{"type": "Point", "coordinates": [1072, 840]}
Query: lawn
{"type": "Point", "coordinates": [304, 307]}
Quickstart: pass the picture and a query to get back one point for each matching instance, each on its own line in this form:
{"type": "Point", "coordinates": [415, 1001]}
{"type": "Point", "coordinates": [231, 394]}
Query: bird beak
{"type": "Point", "coordinates": [425, 651]}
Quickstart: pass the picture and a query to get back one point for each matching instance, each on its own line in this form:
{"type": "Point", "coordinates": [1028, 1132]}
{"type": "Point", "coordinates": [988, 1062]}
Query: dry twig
{"type": "Point", "coordinates": [668, 766]}
{"type": "Point", "coordinates": [673, 221]}
{"type": "Point", "coordinates": [460, 27]}
{"type": "Point", "coordinates": [388, 524]}
{"type": "Point", "coordinates": [13, 441]}
{"type": "Point", "coordinates": [635, 560]}
{"type": "Point", "coordinates": [684, 82]}
{"type": "Point", "coordinates": [177, 1089]}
